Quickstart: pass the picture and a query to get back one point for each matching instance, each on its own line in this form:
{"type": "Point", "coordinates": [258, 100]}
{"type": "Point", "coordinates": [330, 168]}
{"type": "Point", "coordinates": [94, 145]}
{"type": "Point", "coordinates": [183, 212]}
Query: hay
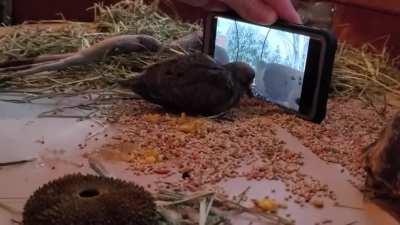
{"type": "Point", "coordinates": [127, 17]}
{"type": "Point", "coordinates": [30, 41]}
{"type": "Point", "coordinates": [122, 18]}
{"type": "Point", "coordinates": [358, 72]}
{"type": "Point", "coordinates": [365, 72]}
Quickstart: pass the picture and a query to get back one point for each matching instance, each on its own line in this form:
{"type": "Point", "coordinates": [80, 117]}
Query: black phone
{"type": "Point", "coordinates": [293, 63]}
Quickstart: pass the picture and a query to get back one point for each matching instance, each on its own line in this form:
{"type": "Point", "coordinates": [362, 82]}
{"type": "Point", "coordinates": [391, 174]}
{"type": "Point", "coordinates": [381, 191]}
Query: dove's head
{"type": "Point", "coordinates": [243, 73]}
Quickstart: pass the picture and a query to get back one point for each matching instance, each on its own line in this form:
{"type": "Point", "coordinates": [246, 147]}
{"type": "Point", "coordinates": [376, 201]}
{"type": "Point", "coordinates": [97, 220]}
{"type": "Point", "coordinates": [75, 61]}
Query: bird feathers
{"type": "Point", "coordinates": [193, 83]}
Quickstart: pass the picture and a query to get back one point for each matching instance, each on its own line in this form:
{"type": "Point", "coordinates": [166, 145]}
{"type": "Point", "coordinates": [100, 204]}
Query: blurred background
{"type": "Point", "coordinates": [355, 21]}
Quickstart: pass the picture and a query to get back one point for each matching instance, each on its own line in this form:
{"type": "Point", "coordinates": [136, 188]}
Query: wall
{"type": "Point", "coordinates": [368, 26]}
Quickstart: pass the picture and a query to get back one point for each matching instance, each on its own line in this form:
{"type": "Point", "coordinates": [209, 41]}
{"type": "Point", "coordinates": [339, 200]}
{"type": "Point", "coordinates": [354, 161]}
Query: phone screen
{"type": "Point", "coordinates": [278, 57]}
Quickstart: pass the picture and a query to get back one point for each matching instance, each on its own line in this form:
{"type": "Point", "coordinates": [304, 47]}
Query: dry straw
{"type": "Point", "coordinates": [125, 17]}
{"type": "Point", "coordinates": [366, 72]}
{"type": "Point", "coordinates": [361, 72]}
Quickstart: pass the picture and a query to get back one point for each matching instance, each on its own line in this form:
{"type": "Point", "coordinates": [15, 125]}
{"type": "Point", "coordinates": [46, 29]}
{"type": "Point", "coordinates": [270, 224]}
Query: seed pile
{"type": "Point", "coordinates": [350, 126]}
{"type": "Point", "coordinates": [204, 152]}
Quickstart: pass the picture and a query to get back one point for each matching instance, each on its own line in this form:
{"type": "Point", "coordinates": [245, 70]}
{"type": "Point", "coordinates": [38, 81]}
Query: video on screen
{"type": "Point", "coordinates": [278, 57]}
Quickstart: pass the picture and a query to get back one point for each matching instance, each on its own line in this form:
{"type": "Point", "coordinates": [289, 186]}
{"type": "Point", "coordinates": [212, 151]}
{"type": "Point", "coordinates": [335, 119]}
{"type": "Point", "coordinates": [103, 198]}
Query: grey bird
{"type": "Point", "coordinates": [195, 84]}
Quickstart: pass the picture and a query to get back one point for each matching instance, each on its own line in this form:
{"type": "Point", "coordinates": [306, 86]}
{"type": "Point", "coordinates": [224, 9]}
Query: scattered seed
{"type": "Point", "coordinates": [318, 203]}
{"type": "Point", "coordinates": [213, 151]}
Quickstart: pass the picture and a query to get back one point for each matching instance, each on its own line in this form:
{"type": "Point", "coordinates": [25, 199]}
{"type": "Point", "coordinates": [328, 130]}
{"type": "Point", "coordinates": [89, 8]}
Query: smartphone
{"type": "Point", "coordinates": [293, 63]}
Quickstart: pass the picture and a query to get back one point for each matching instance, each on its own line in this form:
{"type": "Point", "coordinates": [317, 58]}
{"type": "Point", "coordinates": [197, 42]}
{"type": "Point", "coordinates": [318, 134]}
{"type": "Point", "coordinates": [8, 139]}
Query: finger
{"type": "Point", "coordinates": [285, 10]}
{"type": "Point", "coordinates": [255, 10]}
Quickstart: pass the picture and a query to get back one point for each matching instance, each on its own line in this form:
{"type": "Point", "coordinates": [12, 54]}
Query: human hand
{"type": "Point", "coordinates": [259, 11]}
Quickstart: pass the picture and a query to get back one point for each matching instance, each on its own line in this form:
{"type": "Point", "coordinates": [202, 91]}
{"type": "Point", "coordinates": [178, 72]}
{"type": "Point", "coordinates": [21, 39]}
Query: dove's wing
{"type": "Point", "coordinates": [193, 84]}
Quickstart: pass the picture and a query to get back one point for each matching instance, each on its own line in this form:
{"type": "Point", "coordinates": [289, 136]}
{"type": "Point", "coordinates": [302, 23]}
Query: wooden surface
{"type": "Point", "coordinates": [387, 6]}
{"type": "Point", "coordinates": [362, 26]}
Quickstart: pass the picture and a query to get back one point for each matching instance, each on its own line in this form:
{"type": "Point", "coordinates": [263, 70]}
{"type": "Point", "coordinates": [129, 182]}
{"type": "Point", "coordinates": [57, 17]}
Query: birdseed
{"type": "Point", "coordinates": [204, 152]}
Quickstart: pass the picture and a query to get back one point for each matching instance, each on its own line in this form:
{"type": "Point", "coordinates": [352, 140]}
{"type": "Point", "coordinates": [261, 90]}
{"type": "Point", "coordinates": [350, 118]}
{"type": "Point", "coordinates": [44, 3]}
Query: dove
{"type": "Point", "coordinates": [195, 84]}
